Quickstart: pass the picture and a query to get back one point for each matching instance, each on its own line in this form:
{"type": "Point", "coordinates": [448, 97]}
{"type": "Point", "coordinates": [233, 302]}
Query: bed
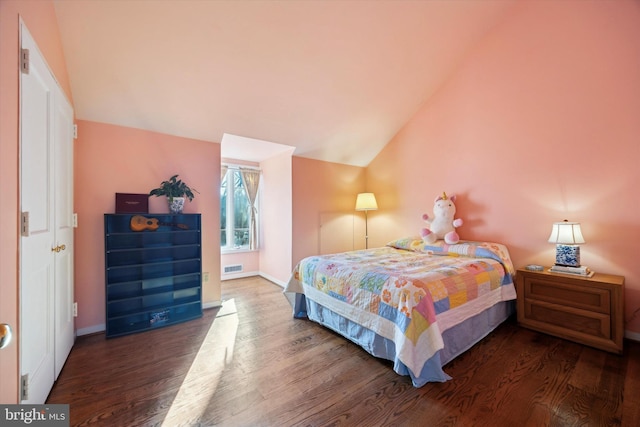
{"type": "Point", "coordinates": [417, 305]}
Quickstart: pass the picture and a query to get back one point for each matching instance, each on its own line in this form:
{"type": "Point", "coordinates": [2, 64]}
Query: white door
{"type": "Point", "coordinates": [46, 270]}
{"type": "Point", "coordinates": [63, 223]}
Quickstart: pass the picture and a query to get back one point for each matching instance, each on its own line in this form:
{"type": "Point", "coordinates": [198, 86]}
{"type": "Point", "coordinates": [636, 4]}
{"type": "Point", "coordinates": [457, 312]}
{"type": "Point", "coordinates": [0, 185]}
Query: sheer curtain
{"type": "Point", "coordinates": [251, 180]}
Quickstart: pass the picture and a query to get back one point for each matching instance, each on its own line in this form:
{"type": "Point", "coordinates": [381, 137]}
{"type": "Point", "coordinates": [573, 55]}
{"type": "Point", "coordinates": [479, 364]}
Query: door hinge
{"type": "Point", "coordinates": [75, 131]}
{"type": "Point", "coordinates": [24, 387]}
{"type": "Point", "coordinates": [24, 61]}
{"type": "Point", "coordinates": [24, 224]}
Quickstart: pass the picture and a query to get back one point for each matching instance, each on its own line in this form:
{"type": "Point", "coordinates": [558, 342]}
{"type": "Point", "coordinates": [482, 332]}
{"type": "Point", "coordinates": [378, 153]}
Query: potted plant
{"type": "Point", "coordinates": [176, 191]}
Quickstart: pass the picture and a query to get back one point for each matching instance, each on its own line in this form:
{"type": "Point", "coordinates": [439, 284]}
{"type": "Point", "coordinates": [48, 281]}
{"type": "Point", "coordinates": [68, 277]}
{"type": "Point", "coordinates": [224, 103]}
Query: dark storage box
{"type": "Point", "coordinates": [132, 203]}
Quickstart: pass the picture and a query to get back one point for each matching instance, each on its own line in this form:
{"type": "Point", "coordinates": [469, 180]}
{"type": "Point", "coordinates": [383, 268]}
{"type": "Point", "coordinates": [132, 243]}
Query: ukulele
{"type": "Point", "coordinates": [141, 223]}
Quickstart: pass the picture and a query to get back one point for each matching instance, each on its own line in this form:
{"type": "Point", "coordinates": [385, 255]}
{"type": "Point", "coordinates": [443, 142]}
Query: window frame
{"type": "Point", "coordinates": [230, 210]}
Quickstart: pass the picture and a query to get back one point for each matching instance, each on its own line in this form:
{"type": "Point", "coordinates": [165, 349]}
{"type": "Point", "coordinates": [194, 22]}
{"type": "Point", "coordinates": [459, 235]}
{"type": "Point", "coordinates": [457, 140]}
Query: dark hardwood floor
{"type": "Point", "coordinates": [251, 364]}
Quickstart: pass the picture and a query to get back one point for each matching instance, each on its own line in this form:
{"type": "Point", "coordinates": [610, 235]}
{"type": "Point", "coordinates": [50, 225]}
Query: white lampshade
{"type": "Point", "coordinates": [566, 233]}
{"type": "Point", "coordinates": [366, 202]}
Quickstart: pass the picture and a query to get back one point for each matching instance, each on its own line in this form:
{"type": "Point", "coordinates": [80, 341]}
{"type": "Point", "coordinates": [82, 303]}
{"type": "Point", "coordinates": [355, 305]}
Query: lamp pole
{"type": "Point", "coordinates": [366, 229]}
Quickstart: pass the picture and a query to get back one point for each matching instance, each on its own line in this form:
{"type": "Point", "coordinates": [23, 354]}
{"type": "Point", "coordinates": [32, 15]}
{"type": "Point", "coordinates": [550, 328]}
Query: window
{"type": "Point", "coordinates": [235, 212]}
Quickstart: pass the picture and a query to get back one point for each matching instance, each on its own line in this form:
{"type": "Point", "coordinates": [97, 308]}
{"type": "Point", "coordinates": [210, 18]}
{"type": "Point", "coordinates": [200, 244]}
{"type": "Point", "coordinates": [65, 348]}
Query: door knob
{"type": "Point", "coordinates": [5, 335]}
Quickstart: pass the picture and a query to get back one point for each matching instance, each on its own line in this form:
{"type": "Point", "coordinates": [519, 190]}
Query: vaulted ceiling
{"type": "Point", "coordinates": [334, 79]}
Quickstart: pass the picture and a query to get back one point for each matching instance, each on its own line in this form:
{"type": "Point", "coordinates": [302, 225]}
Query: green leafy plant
{"type": "Point", "coordinates": [174, 187]}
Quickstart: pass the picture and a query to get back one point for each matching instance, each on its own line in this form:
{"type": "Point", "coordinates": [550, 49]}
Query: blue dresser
{"type": "Point", "coordinates": [153, 271]}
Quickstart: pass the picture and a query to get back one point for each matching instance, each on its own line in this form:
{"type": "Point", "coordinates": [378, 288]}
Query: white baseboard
{"type": "Point", "coordinates": [273, 279]}
{"type": "Point", "coordinates": [211, 304]}
{"type": "Point", "coordinates": [632, 335]}
{"type": "Point", "coordinates": [91, 330]}
{"type": "Point", "coordinates": [240, 275]}
{"type": "Point", "coordinates": [252, 274]}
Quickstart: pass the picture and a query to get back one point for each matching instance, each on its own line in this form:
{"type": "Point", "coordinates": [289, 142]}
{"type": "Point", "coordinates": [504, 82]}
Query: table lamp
{"type": "Point", "coordinates": [567, 237]}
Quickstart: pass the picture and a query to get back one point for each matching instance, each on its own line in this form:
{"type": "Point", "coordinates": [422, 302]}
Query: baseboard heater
{"type": "Point", "coordinates": [235, 268]}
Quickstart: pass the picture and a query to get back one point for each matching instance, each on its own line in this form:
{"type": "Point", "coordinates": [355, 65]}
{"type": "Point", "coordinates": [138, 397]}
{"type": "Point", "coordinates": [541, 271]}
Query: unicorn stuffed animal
{"type": "Point", "coordinates": [443, 225]}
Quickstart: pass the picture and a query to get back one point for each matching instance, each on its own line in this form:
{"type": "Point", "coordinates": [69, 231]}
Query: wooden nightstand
{"type": "Point", "coordinates": [587, 310]}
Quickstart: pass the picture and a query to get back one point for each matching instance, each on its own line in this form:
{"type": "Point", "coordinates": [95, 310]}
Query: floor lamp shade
{"type": "Point", "coordinates": [366, 202]}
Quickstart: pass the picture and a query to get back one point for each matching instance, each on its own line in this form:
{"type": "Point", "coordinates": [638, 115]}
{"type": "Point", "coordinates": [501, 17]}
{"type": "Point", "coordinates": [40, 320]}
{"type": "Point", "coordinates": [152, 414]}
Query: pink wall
{"type": "Point", "coordinates": [276, 218]}
{"type": "Point", "coordinates": [40, 19]}
{"type": "Point", "coordinates": [538, 124]}
{"type": "Point", "coordinates": [113, 159]}
{"type": "Point", "coordinates": [250, 261]}
{"type": "Point", "coordinates": [320, 187]}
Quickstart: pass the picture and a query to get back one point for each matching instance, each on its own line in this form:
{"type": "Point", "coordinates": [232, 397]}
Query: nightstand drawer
{"type": "Point", "coordinates": [585, 297]}
{"type": "Point", "coordinates": [566, 321]}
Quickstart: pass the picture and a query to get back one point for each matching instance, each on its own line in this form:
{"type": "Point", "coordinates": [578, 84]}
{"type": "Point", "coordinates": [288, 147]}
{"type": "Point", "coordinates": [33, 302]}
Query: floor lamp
{"type": "Point", "coordinates": [366, 202]}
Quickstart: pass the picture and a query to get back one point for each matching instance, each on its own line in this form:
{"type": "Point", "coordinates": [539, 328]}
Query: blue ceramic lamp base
{"type": "Point", "coordinates": [568, 261]}
{"type": "Point", "coordinates": [568, 255]}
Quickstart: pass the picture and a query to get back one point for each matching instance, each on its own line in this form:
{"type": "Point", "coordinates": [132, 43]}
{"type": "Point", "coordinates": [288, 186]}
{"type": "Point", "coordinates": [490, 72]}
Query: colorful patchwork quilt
{"type": "Point", "coordinates": [407, 291]}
